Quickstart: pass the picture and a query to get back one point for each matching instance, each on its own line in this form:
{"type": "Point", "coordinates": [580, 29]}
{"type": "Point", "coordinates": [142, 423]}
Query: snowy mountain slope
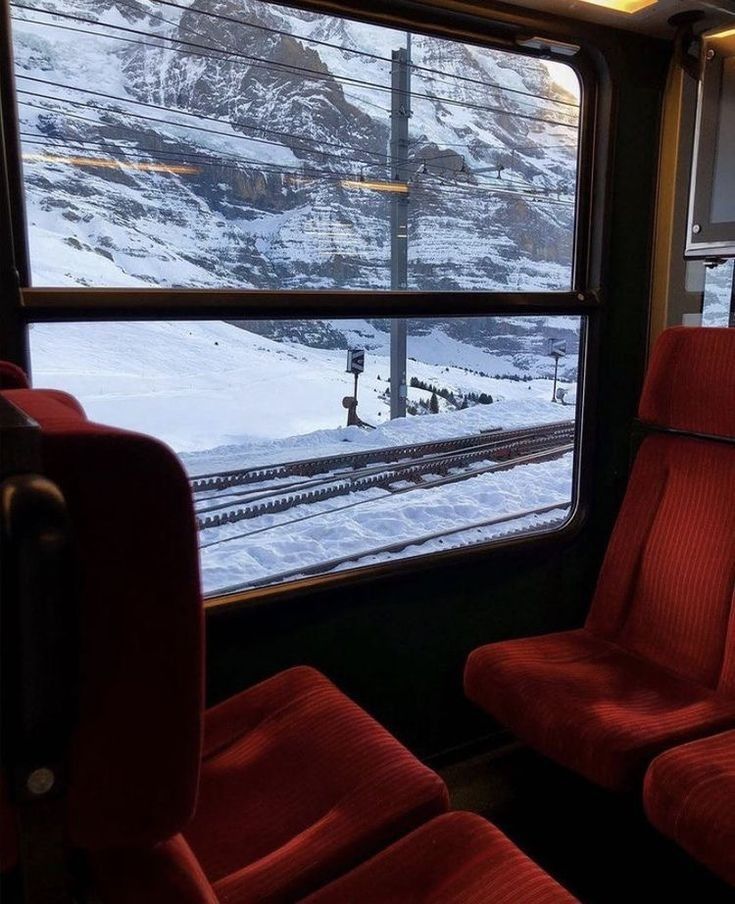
{"type": "Point", "coordinates": [266, 125]}
{"type": "Point", "coordinates": [215, 159]}
{"type": "Point", "coordinates": [199, 386]}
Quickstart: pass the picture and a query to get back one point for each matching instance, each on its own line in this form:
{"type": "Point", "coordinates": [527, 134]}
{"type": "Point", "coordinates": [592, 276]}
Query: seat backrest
{"type": "Point", "coordinates": [12, 377]}
{"type": "Point", "coordinates": [134, 761]}
{"type": "Point", "coordinates": [665, 591]}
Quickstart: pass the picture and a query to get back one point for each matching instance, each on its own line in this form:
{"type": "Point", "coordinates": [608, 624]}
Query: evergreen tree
{"type": "Point", "coordinates": [465, 404]}
{"type": "Point", "coordinates": [434, 403]}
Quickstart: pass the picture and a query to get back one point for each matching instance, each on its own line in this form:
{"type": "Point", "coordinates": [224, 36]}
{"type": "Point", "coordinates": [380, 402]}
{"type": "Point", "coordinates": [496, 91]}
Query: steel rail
{"type": "Point", "coordinates": [400, 545]}
{"type": "Point", "coordinates": [543, 455]}
{"type": "Point", "coordinates": [496, 444]}
{"type": "Point", "coordinates": [281, 499]}
{"type": "Point", "coordinates": [220, 480]}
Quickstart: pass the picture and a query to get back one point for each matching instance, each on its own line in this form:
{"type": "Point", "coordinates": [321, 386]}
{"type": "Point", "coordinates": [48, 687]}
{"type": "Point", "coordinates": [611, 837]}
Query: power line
{"type": "Point", "coordinates": [265, 130]}
{"type": "Point", "coordinates": [508, 148]}
{"type": "Point", "coordinates": [477, 81]}
{"type": "Point", "coordinates": [225, 162]}
{"type": "Point", "coordinates": [222, 54]}
{"type": "Point", "coordinates": [211, 160]}
{"type": "Point", "coordinates": [288, 67]}
{"type": "Point", "coordinates": [167, 122]}
{"type": "Point", "coordinates": [272, 30]}
{"type": "Point", "coordinates": [263, 165]}
{"type": "Point", "coordinates": [198, 116]}
{"type": "Point", "coordinates": [344, 49]}
{"type": "Point", "coordinates": [242, 123]}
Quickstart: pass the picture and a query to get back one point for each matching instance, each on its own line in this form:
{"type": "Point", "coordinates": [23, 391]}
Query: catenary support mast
{"type": "Point", "coordinates": [400, 113]}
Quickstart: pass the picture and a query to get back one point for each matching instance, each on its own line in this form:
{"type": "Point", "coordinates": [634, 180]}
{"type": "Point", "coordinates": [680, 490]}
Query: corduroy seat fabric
{"type": "Point", "coordinates": [458, 858]}
{"type": "Point", "coordinates": [12, 377]}
{"type": "Point", "coordinates": [297, 783]}
{"type": "Point", "coordinates": [654, 665]}
{"type": "Point", "coordinates": [689, 795]}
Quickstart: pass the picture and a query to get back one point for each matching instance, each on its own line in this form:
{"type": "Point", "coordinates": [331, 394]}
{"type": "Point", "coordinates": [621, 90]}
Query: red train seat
{"type": "Point", "coordinates": [12, 377]}
{"type": "Point", "coordinates": [296, 783]}
{"type": "Point", "coordinates": [278, 790]}
{"type": "Point", "coordinates": [689, 795]}
{"type": "Point", "coordinates": [458, 858]}
{"type": "Point", "coordinates": [654, 665]}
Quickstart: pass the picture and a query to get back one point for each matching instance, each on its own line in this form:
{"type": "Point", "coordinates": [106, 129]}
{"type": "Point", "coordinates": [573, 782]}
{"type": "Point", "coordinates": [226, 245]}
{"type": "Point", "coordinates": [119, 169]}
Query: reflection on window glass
{"type": "Point", "coordinates": [242, 143]}
{"type": "Point", "coordinates": [718, 294]}
{"type": "Point", "coordinates": [292, 478]}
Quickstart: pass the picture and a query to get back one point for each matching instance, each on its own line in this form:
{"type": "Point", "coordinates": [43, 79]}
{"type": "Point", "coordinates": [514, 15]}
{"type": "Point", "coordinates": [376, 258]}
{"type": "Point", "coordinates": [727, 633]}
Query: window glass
{"type": "Point", "coordinates": [258, 413]}
{"type": "Point", "coordinates": [252, 145]}
{"type": "Point", "coordinates": [708, 296]}
{"type": "Point", "coordinates": [717, 302]}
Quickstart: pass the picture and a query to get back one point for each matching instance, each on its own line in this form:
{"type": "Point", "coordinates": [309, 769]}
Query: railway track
{"type": "Point", "coordinates": [408, 467]}
{"type": "Point", "coordinates": [309, 467]}
{"type": "Point", "coordinates": [476, 527]}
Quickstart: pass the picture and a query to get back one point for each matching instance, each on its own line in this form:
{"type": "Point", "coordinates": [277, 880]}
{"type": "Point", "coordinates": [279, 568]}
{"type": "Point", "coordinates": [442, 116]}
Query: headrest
{"type": "Point", "coordinates": [12, 377]}
{"type": "Point", "coordinates": [135, 754]}
{"type": "Point", "coordinates": [690, 384]}
{"type": "Point", "coordinates": [50, 404]}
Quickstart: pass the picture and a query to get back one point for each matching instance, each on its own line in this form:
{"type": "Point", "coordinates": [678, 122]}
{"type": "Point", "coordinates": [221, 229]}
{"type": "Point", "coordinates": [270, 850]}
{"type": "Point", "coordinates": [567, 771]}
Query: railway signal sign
{"type": "Point", "coordinates": [557, 349]}
{"type": "Point", "coordinates": [355, 366]}
{"type": "Point", "coordinates": [355, 360]}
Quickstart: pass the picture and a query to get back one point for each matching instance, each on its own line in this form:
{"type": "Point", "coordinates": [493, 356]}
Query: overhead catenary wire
{"type": "Point", "coordinates": [184, 125]}
{"type": "Point", "coordinates": [229, 162]}
{"type": "Point", "coordinates": [190, 113]}
{"type": "Point", "coordinates": [269, 28]}
{"type": "Point", "coordinates": [476, 81]}
{"type": "Point", "coordinates": [341, 47]}
{"type": "Point", "coordinates": [302, 70]}
{"type": "Point", "coordinates": [506, 183]}
{"type": "Point", "coordinates": [255, 126]}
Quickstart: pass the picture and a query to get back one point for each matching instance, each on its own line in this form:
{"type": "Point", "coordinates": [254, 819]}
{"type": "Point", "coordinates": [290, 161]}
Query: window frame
{"type": "Point", "coordinates": [706, 238]}
{"type": "Point", "coordinates": [22, 305]}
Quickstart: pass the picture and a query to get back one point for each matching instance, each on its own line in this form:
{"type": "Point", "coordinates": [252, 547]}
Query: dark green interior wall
{"type": "Point", "coordinates": [398, 645]}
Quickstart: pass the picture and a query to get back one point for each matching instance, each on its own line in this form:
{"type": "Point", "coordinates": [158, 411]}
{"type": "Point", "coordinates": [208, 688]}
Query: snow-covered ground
{"type": "Point", "coordinates": [261, 550]}
{"type": "Point", "coordinates": [227, 398]}
{"type": "Point", "coordinates": [201, 386]}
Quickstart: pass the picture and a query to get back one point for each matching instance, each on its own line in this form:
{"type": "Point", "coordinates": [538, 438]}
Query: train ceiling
{"type": "Point", "coordinates": [651, 20]}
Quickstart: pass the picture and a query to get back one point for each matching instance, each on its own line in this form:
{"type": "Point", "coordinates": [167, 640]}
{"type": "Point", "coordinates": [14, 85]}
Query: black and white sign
{"type": "Point", "coordinates": [558, 348]}
{"type": "Point", "coordinates": [355, 360]}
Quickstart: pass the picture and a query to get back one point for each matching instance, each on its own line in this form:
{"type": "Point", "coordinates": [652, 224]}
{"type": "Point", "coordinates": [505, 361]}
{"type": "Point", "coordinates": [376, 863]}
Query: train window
{"type": "Point", "coordinates": [284, 488]}
{"type": "Point", "coordinates": [709, 296]}
{"type": "Point", "coordinates": [718, 302]}
{"type": "Point", "coordinates": [264, 147]}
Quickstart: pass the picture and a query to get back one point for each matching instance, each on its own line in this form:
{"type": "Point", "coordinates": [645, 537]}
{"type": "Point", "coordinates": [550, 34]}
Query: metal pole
{"type": "Point", "coordinates": [399, 116]}
{"type": "Point", "coordinates": [356, 376]}
{"type": "Point", "coordinates": [556, 369]}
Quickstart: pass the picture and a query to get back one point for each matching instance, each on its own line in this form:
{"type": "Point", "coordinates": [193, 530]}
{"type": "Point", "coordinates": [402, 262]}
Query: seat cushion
{"type": "Point", "coordinates": [590, 705]}
{"type": "Point", "coordinates": [166, 873]}
{"type": "Point", "coordinates": [458, 858]}
{"type": "Point", "coordinates": [689, 795]}
{"type": "Point", "coordinates": [298, 785]}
